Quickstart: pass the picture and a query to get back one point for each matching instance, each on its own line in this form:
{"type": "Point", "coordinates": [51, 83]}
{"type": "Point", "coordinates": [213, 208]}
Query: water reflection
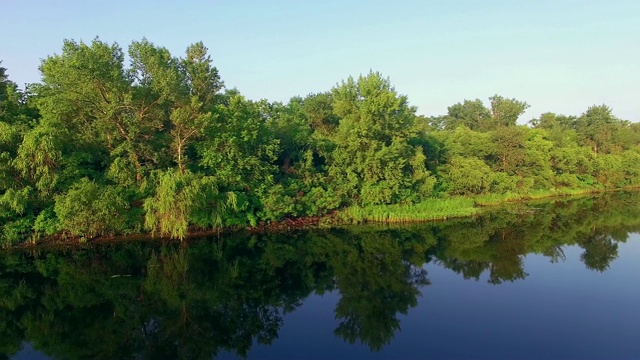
{"type": "Point", "coordinates": [146, 300]}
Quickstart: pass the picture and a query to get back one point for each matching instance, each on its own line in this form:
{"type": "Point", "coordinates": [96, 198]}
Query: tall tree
{"type": "Point", "coordinates": [191, 115]}
{"type": "Point", "coordinates": [372, 162]}
{"type": "Point", "coordinates": [87, 91]}
{"type": "Point", "coordinates": [596, 128]}
{"type": "Point", "coordinates": [470, 113]}
{"type": "Point", "coordinates": [202, 77]}
{"type": "Point", "coordinates": [505, 112]}
{"type": "Point", "coordinates": [510, 148]}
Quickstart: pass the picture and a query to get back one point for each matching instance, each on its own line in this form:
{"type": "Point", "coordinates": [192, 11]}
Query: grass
{"type": "Point", "coordinates": [497, 199]}
{"type": "Point", "coordinates": [444, 208]}
{"type": "Point", "coordinates": [431, 209]}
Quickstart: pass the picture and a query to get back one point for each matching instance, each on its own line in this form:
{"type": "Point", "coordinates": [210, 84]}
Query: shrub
{"type": "Point", "coordinates": [89, 209]}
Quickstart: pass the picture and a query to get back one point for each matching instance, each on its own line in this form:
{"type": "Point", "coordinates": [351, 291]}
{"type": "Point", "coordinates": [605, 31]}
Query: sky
{"type": "Point", "coordinates": [557, 55]}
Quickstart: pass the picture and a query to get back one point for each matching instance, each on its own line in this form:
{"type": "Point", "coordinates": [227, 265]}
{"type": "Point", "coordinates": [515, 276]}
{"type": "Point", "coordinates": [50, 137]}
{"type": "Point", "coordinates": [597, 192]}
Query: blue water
{"type": "Point", "coordinates": [561, 310]}
{"type": "Point", "coordinates": [556, 280]}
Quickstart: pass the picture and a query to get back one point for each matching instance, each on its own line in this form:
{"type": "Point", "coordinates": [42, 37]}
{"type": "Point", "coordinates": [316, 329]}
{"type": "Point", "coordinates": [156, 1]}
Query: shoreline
{"type": "Point", "coordinates": [440, 209]}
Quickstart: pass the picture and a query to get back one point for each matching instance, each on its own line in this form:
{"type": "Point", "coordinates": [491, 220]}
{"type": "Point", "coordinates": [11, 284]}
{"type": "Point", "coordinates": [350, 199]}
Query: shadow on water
{"type": "Point", "coordinates": [149, 300]}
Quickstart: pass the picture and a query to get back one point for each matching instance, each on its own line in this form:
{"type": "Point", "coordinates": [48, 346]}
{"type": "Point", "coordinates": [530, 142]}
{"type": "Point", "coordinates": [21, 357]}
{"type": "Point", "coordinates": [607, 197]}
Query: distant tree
{"type": "Point", "coordinates": [318, 109]}
{"type": "Point", "coordinates": [510, 148]}
{"type": "Point", "coordinates": [505, 112]}
{"type": "Point", "coordinates": [472, 114]}
{"type": "Point", "coordinates": [547, 120]}
{"type": "Point", "coordinates": [597, 127]}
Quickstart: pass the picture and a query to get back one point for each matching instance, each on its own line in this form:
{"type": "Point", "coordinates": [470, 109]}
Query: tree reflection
{"type": "Point", "coordinates": [599, 252]}
{"type": "Point", "coordinates": [375, 285]}
{"type": "Point", "coordinates": [149, 300]}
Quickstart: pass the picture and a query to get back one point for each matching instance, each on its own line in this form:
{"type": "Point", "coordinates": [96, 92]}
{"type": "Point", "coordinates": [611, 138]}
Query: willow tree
{"type": "Point", "coordinates": [17, 198]}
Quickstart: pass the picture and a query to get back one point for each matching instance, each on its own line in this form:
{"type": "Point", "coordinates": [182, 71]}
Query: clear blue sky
{"type": "Point", "coordinates": [558, 55]}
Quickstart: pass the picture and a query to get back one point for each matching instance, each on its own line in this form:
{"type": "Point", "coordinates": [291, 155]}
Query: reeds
{"type": "Point", "coordinates": [444, 208]}
{"type": "Point", "coordinates": [497, 199]}
{"type": "Point", "coordinates": [431, 209]}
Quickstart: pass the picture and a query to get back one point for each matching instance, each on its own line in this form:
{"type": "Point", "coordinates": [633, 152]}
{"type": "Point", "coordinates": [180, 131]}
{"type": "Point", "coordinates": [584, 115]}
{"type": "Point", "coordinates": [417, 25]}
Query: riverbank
{"type": "Point", "coordinates": [436, 209]}
{"type": "Point", "coordinates": [451, 207]}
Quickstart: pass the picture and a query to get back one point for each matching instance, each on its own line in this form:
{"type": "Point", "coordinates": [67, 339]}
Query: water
{"type": "Point", "coordinates": [542, 280]}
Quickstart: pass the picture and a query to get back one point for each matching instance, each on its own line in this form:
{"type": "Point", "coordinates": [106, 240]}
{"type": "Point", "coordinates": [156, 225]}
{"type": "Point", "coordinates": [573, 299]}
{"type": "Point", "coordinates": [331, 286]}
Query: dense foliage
{"type": "Point", "coordinates": [146, 300]}
{"type": "Point", "coordinates": [159, 145]}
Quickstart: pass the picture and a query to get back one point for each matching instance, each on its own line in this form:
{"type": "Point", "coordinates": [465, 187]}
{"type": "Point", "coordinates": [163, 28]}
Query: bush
{"type": "Point", "coordinates": [89, 209]}
{"type": "Point", "coordinates": [47, 223]}
{"type": "Point", "coordinates": [465, 176]}
{"type": "Point", "coordinates": [14, 203]}
{"type": "Point", "coordinates": [14, 232]}
{"type": "Point", "coordinates": [504, 183]}
{"type": "Point", "coordinates": [184, 199]}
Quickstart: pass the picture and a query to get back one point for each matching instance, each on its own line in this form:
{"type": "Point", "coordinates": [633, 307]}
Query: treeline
{"type": "Point", "coordinates": [102, 148]}
{"type": "Point", "coordinates": [147, 300]}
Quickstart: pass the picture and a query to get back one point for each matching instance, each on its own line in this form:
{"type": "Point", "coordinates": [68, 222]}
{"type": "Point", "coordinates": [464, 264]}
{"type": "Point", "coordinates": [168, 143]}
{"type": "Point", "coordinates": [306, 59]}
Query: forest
{"type": "Point", "coordinates": [114, 143]}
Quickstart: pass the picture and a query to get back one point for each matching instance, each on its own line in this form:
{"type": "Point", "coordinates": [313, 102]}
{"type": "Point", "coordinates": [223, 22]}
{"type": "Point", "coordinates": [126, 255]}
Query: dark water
{"type": "Point", "coordinates": [545, 280]}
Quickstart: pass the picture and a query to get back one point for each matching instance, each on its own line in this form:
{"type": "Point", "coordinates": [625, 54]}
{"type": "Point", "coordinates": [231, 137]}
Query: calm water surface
{"type": "Point", "coordinates": [542, 280]}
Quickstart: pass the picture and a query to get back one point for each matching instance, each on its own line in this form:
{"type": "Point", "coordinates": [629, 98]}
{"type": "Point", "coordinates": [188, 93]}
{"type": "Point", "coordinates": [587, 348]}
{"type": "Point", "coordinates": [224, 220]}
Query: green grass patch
{"type": "Point", "coordinates": [497, 199]}
{"type": "Point", "coordinates": [444, 208]}
{"type": "Point", "coordinates": [431, 209]}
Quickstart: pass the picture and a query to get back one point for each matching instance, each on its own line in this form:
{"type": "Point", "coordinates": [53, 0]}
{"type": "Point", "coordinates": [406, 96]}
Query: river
{"type": "Point", "coordinates": [548, 279]}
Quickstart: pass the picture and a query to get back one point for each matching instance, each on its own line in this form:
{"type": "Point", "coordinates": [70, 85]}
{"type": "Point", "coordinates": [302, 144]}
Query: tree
{"type": "Point", "coordinates": [89, 209]}
{"type": "Point", "coordinates": [510, 148]}
{"type": "Point", "coordinates": [372, 159]}
{"type": "Point", "coordinates": [318, 109]}
{"type": "Point", "coordinates": [466, 176]}
{"type": "Point", "coordinates": [547, 121]}
{"type": "Point", "coordinates": [13, 106]}
{"type": "Point", "coordinates": [15, 120]}
{"type": "Point", "coordinates": [188, 124]}
{"type": "Point", "coordinates": [130, 111]}
{"type": "Point", "coordinates": [470, 113]}
{"type": "Point", "coordinates": [239, 148]}
{"type": "Point", "coordinates": [182, 198]}
{"type": "Point", "coordinates": [468, 143]}
{"type": "Point", "coordinates": [596, 128]}
{"type": "Point", "coordinates": [474, 115]}
{"type": "Point", "coordinates": [192, 115]}
{"type": "Point", "coordinates": [202, 77]}
{"type": "Point", "coordinates": [505, 112]}
{"type": "Point", "coordinates": [87, 91]}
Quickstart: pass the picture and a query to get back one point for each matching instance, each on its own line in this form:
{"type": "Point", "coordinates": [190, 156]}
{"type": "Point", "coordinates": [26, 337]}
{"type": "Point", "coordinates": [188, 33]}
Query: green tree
{"type": "Point", "coordinates": [505, 112]}
{"type": "Point", "coordinates": [466, 176]}
{"type": "Point", "coordinates": [597, 127]}
{"type": "Point", "coordinates": [89, 209]}
{"type": "Point", "coordinates": [372, 162]}
{"type": "Point", "coordinates": [510, 148]}
{"type": "Point", "coordinates": [470, 113]}
{"type": "Point", "coordinates": [191, 117]}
